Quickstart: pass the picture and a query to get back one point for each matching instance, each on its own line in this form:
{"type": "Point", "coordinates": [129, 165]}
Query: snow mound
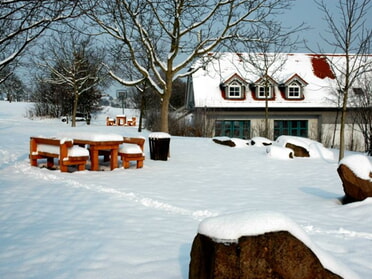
{"type": "Point", "coordinates": [278, 152]}
{"type": "Point", "coordinates": [240, 143]}
{"type": "Point", "coordinates": [315, 149]}
{"type": "Point", "coordinates": [229, 228]}
{"type": "Point", "coordinates": [260, 141]}
{"type": "Point", "coordinates": [360, 165]}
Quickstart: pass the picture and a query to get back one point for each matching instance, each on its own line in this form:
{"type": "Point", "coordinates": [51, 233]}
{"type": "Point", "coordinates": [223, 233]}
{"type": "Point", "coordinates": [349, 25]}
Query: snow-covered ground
{"type": "Point", "coordinates": [140, 223]}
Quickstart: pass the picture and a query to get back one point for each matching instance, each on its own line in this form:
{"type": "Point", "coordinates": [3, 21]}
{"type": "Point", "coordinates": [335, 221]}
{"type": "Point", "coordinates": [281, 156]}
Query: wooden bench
{"type": "Point", "coordinates": [132, 150]}
{"type": "Point", "coordinates": [50, 148]}
{"type": "Point", "coordinates": [110, 121]}
{"type": "Point", "coordinates": [132, 122]}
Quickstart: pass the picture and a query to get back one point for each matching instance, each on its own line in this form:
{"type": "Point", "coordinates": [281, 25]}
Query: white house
{"type": "Point", "coordinates": [227, 96]}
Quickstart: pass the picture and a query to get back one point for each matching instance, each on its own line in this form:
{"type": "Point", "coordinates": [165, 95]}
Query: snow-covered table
{"type": "Point", "coordinates": [98, 142]}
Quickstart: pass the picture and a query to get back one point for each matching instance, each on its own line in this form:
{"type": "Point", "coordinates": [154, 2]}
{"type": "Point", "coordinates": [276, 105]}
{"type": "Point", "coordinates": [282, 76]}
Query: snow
{"type": "Point", "coordinates": [93, 136]}
{"type": "Point", "coordinates": [359, 164]}
{"type": "Point", "coordinates": [130, 148]}
{"type": "Point", "coordinates": [278, 152]}
{"type": "Point", "coordinates": [140, 223]}
{"type": "Point", "coordinates": [74, 151]}
{"type": "Point", "coordinates": [77, 151]}
{"type": "Point", "coordinates": [159, 135]}
{"type": "Point", "coordinates": [260, 141]}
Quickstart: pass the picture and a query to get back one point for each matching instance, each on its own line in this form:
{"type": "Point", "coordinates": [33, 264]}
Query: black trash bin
{"type": "Point", "coordinates": [159, 146]}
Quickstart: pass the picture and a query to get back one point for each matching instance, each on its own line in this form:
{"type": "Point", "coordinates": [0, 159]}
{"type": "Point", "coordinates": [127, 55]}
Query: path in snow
{"type": "Point", "coordinates": [130, 196]}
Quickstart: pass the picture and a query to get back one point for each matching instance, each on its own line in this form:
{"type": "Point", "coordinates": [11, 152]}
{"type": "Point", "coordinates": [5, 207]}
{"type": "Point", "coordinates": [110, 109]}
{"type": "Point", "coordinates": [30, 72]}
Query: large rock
{"type": "Point", "coordinates": [299, 151]}
{"type": "Point", "coordinates": [274, 255]}
{"type": "Point", "coordinates": [224, 141]}
{"type": "Point", "coordinates": [355, 188]}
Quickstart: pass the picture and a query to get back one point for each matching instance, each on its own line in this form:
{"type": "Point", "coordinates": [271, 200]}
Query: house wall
{"type": "Point", "coordinates": [321, 124]}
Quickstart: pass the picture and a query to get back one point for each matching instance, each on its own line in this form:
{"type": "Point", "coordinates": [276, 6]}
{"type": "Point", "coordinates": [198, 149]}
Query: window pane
{"type": "Point", "coordinates": [227, 129]}
{"type": "Point", "coordinates": [237, 128]}
{"type": "Point", "coordinates": [218, 128]}
{"type": "Point", "coordinates": [234, 91]}
{"type": "Point", "coordinates": [293, 92]}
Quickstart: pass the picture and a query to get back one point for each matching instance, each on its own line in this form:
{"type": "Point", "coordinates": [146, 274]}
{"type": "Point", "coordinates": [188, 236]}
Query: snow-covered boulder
{"type": "Point", "coordinates": [259, 245]}
{"type": "Point", "coordinates": [355, 172]}
{"type": "Point", "coordinates": [260, 141]}
{"type": "Point", "coordinates": [304, 147]}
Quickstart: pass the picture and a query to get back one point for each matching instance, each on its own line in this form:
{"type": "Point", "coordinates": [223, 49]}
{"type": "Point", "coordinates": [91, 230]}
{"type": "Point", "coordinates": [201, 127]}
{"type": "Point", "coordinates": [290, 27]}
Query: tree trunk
{"type": "Point", "coordinates": [343, 123]}
{"type": "Point", "coordinates": [166, 100]}
{"type": "Point", "coordinates": [74, 109]}
{"type": "Point", "coordinates": [266, 116]}
{"type": "Point", "coordinates": [165, 113]}
{"type": "Point", "coordinates": [142, 109]}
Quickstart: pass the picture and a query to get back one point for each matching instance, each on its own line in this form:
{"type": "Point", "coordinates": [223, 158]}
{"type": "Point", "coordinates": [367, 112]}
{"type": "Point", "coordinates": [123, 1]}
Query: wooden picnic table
{"type": "Point", "coordinates": [98, 142]}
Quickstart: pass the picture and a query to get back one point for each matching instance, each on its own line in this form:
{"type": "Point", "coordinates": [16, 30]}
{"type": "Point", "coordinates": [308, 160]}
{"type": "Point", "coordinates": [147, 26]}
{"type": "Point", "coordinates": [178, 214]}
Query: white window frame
{"type": "Point", "coordinates": [294, 85]}
{"type": "Point", "coordinates": [237, 90]}
{"type": "Point", "coordinates": [263, 96]}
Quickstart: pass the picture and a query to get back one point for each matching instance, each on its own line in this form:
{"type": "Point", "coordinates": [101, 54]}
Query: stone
{"type": "Point", "coordinates": [273, 255]}
{"type": "Point", "coordinates": [355, 188]}
{"type": "Point", "coordinates": [227, 142]}
{"type": "Point", "coordinates": [299, 151]}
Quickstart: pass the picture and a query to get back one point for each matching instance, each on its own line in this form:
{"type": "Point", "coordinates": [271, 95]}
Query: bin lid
{"type": "Point", "coordinates": [159, 135]}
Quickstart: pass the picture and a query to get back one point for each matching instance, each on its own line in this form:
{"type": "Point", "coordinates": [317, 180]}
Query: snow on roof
{"type": "Point", "coordinates": [360, 165]}
{"type": "Point", "coordinates": [230, 227]}
{"type": "Point", "coordinates": [313, 69]}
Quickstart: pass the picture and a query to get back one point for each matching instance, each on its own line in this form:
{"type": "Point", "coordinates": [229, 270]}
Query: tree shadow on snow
{"type": "Point", "coordinates": [318, 192]}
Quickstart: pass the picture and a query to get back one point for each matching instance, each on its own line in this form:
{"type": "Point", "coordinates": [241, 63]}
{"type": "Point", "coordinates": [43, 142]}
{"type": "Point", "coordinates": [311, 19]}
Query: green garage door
{"type": "Point", "coordinates": [233, 128]}
{"type": "Point", "coordinates": [290, 127]}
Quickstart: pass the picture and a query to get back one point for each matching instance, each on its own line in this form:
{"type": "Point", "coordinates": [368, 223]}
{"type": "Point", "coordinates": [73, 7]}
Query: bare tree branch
{"type": "Point", "coordinates": [351, 36]}
{"type": "Point", "coordinates": [172, 34]}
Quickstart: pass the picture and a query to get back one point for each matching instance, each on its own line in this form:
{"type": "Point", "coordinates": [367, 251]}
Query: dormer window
{"type": "Point", "coordinates": [234, 90]}
{"type": "Point", "coordinates": [293, 88]}
{"type": "Point", "coordinates": [264, 92]}
{"type": "Point", "coordinates": [263, 88]}
{"type": "Point", "coordinates": [294, 91]}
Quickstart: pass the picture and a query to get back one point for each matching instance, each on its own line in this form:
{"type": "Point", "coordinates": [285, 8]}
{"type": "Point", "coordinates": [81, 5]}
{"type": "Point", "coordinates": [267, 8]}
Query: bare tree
{"type": "Point", "coordinates": [73, 62]}
{"type": "Point", "coordinates": [183, 29]}
{"type": "Point", "coordinates": [362, 101]}
{"type": "Point", "coordinates": [351, 35]}
{"type": "Point", "coordinates": [22, 22]}
{"type": "Point", "coordinates": [12, 86]}
{"type": "Point", "coordinates": [265, 57]}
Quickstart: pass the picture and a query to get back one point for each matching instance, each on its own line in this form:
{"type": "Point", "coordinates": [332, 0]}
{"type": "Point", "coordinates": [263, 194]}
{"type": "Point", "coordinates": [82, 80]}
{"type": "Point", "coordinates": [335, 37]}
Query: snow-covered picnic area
{"type": "Point", "coordinates": [140, 223]}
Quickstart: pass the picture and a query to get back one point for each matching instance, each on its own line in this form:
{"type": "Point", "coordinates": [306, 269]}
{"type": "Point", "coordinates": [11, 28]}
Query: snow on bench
{"type": "Point", "coordinates": [132, 150]}
{"type": "Point", "coordinates": [63, 149]}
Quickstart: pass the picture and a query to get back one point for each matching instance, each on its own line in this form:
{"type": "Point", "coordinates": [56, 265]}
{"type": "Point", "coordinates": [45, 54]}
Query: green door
{"type": "Point", "coordinates": [297, 128]}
